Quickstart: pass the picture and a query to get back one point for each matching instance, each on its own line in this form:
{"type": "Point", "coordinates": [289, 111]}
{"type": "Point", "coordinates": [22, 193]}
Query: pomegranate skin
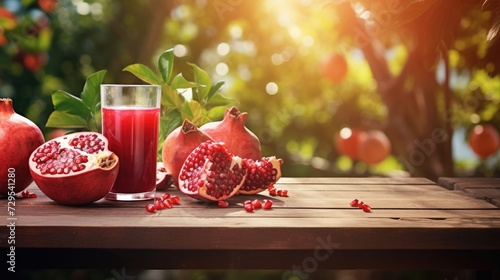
{"type": "Point", "coordinates": [239, 140]}
{"type": "Point", "coordinates": [86, 185]}
{"type": "Point", "coordinates": [179, 144]}
{"type": "Point", "coordinates": [80, 189]}
{"type": "Point", "coordinates": [18, 138]}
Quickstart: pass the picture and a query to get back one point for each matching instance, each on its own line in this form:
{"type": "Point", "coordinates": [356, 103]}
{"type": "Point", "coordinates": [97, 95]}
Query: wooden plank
{"type": "Point", "coordinates": [237, 211]}
{"type": "Point", "coordinates": [449, 182]}
{"type": "Point", "coordinates": [306, 199]}
{"type": "Point", "coordinates": [258, 234]}
{"type": "Point", "coordinates": [356, 180]}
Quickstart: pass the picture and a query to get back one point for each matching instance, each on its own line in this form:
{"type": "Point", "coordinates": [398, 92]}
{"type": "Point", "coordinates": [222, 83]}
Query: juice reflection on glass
{"type": "Point", "coordinates": [130, 122]}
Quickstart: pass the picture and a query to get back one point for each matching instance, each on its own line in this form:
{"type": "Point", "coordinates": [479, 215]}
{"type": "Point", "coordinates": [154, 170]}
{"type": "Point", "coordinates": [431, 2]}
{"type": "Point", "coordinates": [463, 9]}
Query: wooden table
{"type": "Point", "coordinates": [414, 224]}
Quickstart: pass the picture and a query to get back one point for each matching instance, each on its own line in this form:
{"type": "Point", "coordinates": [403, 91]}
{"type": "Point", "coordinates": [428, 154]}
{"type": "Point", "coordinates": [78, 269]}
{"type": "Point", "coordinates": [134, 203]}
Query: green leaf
{"type": "Point", "coordinates": [171, 98]}
{"type": "Point", "coordinates": [91, 90]}
{"type": "Point", "coordinates": [166, 65]}
{"type": "Point", "coordinates": [143, 72]}
{"type": "Point", "coordinates": [214, 90]}
{"type": "Point", "coordinates": [181, 82]}
{"type": "Point", "coordinates": [169, 122]}
{"type": "Point", "coordinates": [67, 103]}
{"type": "Point", "coordinates": [204, 83]}
{"type": "Point", "coordinates": [193, 111]}
{"type": "Point", "coordinates": [216, 113]}
{"type": "Point", "coordinates": [64, 120]}
{"type": "Point", "coordinates": [220, 100]}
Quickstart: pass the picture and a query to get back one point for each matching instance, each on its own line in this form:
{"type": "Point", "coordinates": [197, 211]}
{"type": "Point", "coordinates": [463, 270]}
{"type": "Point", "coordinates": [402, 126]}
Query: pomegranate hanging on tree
{"type": "Point", "coordinates": [19, 137]}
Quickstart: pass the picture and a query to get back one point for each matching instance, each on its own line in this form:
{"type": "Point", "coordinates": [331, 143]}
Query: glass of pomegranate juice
{"type": "Point", "coordinates": [130, 122]}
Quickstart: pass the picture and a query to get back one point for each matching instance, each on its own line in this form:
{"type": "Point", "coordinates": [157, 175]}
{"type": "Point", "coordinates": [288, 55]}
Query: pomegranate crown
{"type": "Point", "coordinates": [6, 106]}
{"type": "Point", "coordinates": [236, 114]}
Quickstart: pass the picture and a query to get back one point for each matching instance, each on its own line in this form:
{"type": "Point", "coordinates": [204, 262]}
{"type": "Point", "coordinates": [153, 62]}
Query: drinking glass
{"type": "Point", "coordinates": [130, 122]}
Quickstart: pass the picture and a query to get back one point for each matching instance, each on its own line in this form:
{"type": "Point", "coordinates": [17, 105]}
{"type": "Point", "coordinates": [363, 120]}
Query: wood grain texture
{"type": "Point", "coordinates": [409, 217]}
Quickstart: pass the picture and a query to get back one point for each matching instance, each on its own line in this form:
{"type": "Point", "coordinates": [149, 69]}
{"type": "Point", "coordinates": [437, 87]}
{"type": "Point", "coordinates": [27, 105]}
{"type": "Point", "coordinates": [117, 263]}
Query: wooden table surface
{"type": "Point", "coordinates": [414, 224]}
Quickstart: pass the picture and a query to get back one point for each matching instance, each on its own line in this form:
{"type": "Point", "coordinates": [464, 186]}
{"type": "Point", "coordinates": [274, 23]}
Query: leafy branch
{"type": "Point", "coordinates": [199, 101]}
{"type": "Point", "coordinates": [202, 105]}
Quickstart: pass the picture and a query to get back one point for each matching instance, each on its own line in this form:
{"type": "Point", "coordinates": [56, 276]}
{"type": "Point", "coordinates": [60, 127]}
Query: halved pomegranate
{"type": "Point", "coordinates": [179, 144]}
{"type": "Point", "coordinates": [211, 172]}
{"type": "Point", "coordinates": [74, 169]}
{"type": "Point", "coordinates": [261, 174]}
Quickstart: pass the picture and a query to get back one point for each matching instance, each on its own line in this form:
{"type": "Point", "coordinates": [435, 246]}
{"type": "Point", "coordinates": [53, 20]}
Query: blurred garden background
{"type": "Point", "coordinates": [311, 74]}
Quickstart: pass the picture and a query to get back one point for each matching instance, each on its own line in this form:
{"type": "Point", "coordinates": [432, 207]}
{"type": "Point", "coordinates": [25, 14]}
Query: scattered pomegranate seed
{"type": "Point", "coordinates": [366, 208]}
{"type": "Point", "coordinates": [159, 205]}
{"type": "Point", "coordinates": [248, 207]}
{"type": "Point", "coordinates": [256, 204]}
{"type": "Point", "coordinates": [167, 204]}
{"type": "Point", "coordinates": [285, 193]}
{"type": "Point", "coordinates": [222, 204]}
{"type": "Point", "coordinates": [271, 187]}
{"type": "Point", "coordinates": [361, 205]}
{"type": "Point", "coordinates": [150, 208]}
{"type": "Point", "coordinates": [165, 196]}
{"type": "Point", "coordinates": [272, 192]}
{"type": "Point", "coordinates": [268, 204]}
{"type": "Point", "coordinates": [175, 200]}
{"type": "Point", "coordinates": [27, 194]}
{"type": "Point", "coordinates": [280, 192]}
{"type": "Point", "coordinates": [354, 203]}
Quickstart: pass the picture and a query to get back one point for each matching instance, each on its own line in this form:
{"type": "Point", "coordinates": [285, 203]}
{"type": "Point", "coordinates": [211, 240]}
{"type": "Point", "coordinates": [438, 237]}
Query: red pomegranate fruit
{"type": "Point", "coordinates": [212, 173]}
{"type": "Point", "coordinates": [163, 179]}
{"type": "Point", "coordinates": [261, 174]}
{"type": "Point", "coordinates": [231, 130]}
{"type": "Point", "coordinates": [484, 140]}
{"type": "Point", "coordinates": [19, 137]}
{"type": "Point", "coordinates": [179, 144]}
{"type": "Point", "coordinates": [74, 169]}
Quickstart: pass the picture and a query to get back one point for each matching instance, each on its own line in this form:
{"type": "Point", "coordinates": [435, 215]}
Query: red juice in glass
{"type": "Point", "coordinates": [133, 135]}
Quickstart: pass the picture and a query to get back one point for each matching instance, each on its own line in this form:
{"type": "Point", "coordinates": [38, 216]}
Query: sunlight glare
{"type": "Point", "coordinates": [271, 88]}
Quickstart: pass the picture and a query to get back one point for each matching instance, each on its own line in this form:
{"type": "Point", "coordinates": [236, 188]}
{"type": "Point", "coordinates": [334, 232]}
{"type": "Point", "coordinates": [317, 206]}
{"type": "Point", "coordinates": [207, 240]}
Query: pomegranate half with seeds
{"type": "Point", "coordinates": [74, 169]}
{"type": "Point", "coordinates": [211, 172]}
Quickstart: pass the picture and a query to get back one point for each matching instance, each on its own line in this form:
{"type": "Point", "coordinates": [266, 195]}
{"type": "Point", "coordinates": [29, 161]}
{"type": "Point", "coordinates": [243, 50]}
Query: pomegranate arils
{"type": "Point", "coordinates": [89, 143]}
{"type": "Point", "coordinates": [150, 208]}
{"type": "Point", "coordinates": [175, 200]}
{"type": "Point", "coordinates": [27, 194]}
{"type": "Point", "coordinates": [267, 204]}
{"type": "Point", "coordinates": [167, 203]}
{"type": "Point", "coordinates": [366, 208]}
{"type": "Point", "coordinates": [262, 174]}
{"type": "Point", "coordinates": [256, 204]}
{"type": "Point", "coordinates": [222, 204]}
{"type": "Point", "coordinates": [211, 172]}
{"type": "Point", "coordinates": [248, 207]}
{"type": "Point", "coordinates": [361, 205]}
{"type": "Point", "coordinates": [354, 203]}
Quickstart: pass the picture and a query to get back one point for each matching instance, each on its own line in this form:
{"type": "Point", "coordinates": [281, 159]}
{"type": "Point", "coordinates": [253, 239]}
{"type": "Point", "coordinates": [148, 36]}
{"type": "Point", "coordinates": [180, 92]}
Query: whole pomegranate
{"type": "Point", "coordinates": [261, 174]}
{"type": "Point", "coordinates": [484, 140]}
{"type": "Point", "coordinates": [211, 172]}
{"type": "Point", "coordinates": [179, 144]}
{"type": "Point", "coordinates": [334, 67]}
{"type": "Point", "coordinates": [231, 130]}
{"type": "Point", "coordinates": [74, 169]}
{"type": "Point", "coordinates": [347, 142]}
{"type": "Point", "coordinates": [375, 147]}
{"type": "Point", "coordinates": [18, 138]}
